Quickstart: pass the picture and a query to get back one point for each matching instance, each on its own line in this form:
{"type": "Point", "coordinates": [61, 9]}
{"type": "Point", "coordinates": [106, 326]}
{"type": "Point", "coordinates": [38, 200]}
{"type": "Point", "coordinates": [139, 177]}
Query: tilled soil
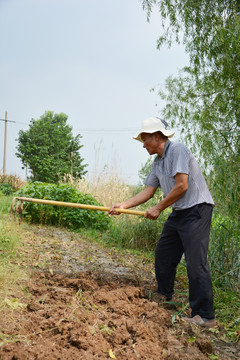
{"type": "Point", "coordinates": [87, 302]}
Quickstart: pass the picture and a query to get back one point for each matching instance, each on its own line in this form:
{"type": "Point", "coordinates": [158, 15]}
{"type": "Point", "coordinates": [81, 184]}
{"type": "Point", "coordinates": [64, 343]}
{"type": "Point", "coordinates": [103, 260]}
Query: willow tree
{"type": "Point", "coordinates": [203, 101]}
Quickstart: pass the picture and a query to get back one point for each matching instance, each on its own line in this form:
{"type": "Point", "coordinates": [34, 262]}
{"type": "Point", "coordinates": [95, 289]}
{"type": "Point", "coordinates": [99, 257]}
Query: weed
{"type": "Point", "coordinates": [9, 339]}
{"type": "Point", "coordinates": [105, 329]}
{"type": "Point", "coordinates": [14, 304]}
{"type": "Point", "coordinates": [179, 313]}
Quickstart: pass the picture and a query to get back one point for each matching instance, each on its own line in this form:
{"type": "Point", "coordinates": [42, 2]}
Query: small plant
{"type": "Point", "coordinates": [106, 329]}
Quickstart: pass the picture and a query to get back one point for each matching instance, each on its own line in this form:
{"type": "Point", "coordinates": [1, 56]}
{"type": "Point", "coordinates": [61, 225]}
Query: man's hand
{"type": "Point", "coordinates": [136, 200]}
{"type": "Point", "coordinates": [114, 207]}
{"type": "Point", "coordinates": [176, 193]}
{"type": "Point", "coordinates": [153, 213]}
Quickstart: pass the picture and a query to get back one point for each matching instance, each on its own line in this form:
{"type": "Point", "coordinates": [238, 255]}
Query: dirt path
{"type": "Point", "coordinates": [87, 302]}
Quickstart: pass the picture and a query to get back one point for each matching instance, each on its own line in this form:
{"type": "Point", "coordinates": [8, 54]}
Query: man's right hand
{"type": "Point", "coordinates": [114, 207]}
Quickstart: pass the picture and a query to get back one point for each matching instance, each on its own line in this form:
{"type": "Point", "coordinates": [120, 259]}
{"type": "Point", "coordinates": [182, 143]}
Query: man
{"type": "Point", "coordinates": [187, 228]}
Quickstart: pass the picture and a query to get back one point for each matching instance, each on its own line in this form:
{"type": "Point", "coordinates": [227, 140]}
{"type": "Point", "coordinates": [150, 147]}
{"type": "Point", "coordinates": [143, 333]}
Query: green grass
{"type": "Point", "coordinates": [10, 242]}
{"type": "Point", "coordinates": [224, 250]}
{"type": "Point", "coordinates": [5, 204]}
{"type": "Point", "coordinates": [134, 232]}
{"type": "Point", "coordinates": [227, 310]}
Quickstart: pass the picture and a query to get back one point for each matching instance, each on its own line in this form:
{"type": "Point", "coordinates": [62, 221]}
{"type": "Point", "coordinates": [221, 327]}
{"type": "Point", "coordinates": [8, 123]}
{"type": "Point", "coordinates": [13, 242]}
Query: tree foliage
{"type": "Point", "coordinates": [49, 149]}
{"type": "Point", "coordinates": [203, 101]}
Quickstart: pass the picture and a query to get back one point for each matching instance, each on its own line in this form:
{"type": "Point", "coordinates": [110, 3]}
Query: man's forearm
{"type": "Point", "coordinates": [175, 194]}
{"type": "Point", "coordinates": [140, 198]}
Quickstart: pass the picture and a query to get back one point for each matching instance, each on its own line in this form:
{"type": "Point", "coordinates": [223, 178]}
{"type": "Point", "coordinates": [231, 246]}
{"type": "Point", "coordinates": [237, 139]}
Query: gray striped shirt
{"type": "Point", "coordinates": [177, 158]}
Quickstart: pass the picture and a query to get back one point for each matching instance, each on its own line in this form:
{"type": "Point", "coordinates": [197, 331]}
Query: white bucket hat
{"type": "Point", "coordinates": [152, 125]}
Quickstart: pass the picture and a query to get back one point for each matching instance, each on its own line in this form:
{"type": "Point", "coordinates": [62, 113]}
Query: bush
{"type": "Point", "coordinates": [6, 189]}
{"type": "Point", "coordinates": [58, 215]}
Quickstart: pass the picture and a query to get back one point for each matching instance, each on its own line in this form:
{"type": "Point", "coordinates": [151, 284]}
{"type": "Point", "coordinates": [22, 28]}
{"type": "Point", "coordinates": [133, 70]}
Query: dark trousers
{"type": "Point", "coordinates": [187, 231]}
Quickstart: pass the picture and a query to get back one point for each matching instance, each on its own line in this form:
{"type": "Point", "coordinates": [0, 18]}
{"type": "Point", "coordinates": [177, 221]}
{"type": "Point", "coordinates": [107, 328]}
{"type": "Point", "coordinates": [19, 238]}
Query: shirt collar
{"type": "Point", "coordinates": [166, 146]}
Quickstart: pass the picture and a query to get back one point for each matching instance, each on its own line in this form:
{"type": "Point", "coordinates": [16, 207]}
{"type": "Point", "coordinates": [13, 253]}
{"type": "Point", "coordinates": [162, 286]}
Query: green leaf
{"type": "Point", "coordinates": [213, 357]}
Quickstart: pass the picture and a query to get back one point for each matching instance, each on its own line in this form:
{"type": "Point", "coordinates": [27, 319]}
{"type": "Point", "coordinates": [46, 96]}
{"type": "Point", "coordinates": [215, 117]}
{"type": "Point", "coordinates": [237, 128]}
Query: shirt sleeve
{"type": "Point", "coordinates": [180, 160]}
{"type": "Point", "coordinates": [152, 180]}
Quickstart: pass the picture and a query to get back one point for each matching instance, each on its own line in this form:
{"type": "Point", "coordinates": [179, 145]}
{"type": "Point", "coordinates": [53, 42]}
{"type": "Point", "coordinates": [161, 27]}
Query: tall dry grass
{"type": "Point", "coordinates": [15, 181]}
{"type": "Point", "coordinates": [106, 188]}
{"type": "Point", "coordinates": [106, 185]}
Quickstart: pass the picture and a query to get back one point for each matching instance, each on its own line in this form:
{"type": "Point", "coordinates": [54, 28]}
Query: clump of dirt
{"type": "Point", "coordinates": [87, 302]}
{"type": "Point", "coordinates": [83, 317]}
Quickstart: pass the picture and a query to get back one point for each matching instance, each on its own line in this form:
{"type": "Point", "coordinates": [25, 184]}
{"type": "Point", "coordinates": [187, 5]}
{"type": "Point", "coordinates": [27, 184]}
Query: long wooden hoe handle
{"type": "Point", "coordinates": [80, 206]}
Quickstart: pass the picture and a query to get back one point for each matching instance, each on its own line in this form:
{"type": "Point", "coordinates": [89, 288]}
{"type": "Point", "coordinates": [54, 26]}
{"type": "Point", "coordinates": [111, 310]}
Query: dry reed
{"type": "Point", "coordinates": [107, 190]}
{"type": "Point", "coordinates": [13, 180]}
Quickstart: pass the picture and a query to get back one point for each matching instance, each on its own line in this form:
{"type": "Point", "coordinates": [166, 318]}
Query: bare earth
{"type": "Point", "coordinates": [87, 302]}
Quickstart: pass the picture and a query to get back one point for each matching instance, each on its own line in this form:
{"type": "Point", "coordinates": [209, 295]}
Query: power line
{"type": "Point", "coordinates": [98, 130]}
{"type": "Point", "coordinates": [109, 131]}
{"type": "Point", "coordinates": [16, 122]}
{"type": "Point", "coordinates": [104, 129]}
{"type": "Point", "coordinates": [8, 120]}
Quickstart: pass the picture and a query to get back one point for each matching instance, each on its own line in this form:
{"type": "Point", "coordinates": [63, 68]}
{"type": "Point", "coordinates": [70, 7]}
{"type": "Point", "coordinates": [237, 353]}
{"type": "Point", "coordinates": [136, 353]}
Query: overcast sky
{"type": "Point", "coordinates": [94, 60]}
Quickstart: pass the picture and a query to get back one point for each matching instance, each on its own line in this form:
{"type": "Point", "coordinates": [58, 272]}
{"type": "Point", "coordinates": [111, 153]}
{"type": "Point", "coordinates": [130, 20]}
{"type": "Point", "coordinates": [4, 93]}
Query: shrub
{"type": "Point", "coordinates": [58, 215]}
{"type": "Point", "coordinates": [6, 189]}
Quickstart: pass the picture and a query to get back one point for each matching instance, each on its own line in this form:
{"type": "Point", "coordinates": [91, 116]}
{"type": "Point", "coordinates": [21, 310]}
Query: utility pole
{"type": "Point", "coordinates": [5, 141]}
{"type": "Point", "coordinates": [5, 145]}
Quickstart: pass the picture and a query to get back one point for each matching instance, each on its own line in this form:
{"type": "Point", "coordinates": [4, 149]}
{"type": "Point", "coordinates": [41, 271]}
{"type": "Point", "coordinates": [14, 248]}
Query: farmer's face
{"type": "Point", "coordinates": [150, 142]}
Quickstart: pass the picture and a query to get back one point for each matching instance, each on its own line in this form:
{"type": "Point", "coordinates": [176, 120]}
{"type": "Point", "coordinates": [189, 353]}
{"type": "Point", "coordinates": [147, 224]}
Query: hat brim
{"type": "Point", "coordinates": [167, 133]}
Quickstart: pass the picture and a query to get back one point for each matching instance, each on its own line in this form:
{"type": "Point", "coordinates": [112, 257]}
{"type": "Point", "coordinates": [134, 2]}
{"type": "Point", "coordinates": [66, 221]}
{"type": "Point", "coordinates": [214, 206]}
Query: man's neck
{"type": "Point", "coordinates": [161, 146]}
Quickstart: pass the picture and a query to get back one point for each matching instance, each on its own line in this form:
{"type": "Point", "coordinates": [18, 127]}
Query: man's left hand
{"type": "Point", "coordinates": [153, 213]}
